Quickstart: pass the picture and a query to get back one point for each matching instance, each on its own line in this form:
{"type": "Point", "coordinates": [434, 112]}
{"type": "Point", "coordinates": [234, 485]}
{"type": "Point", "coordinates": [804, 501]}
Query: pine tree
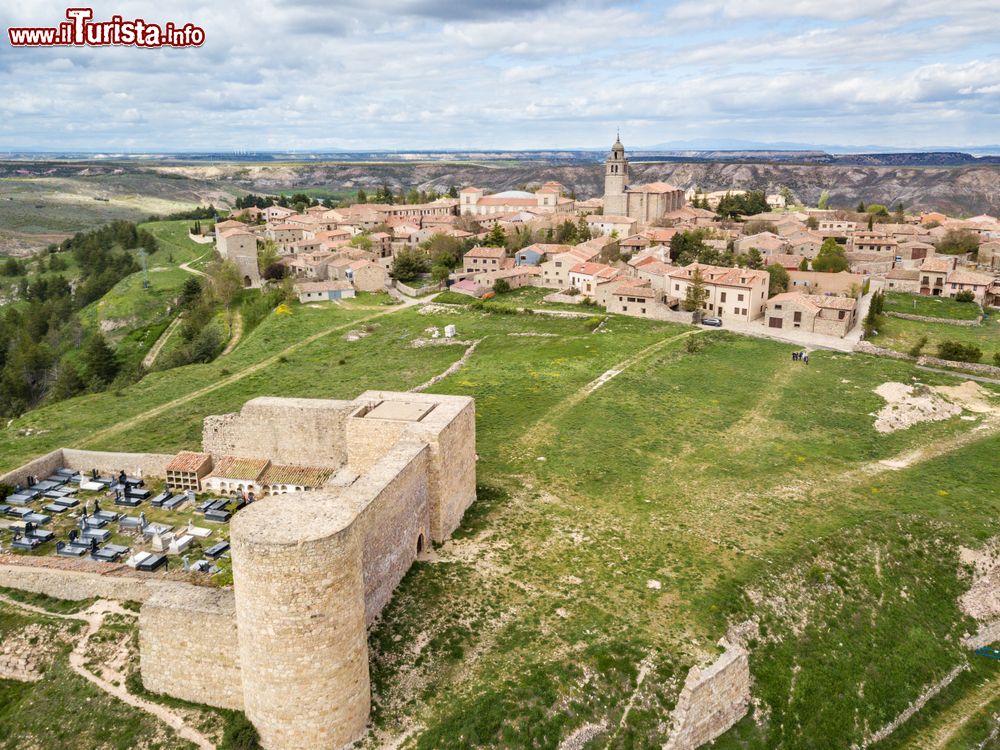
{"type": "Point", "coordinates": [696, 292]}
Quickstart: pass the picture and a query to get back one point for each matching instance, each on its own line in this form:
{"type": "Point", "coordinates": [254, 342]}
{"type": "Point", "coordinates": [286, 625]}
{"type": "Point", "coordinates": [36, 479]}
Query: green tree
{"type": "Point", "coordinates": [754, 259]}
{"type": "Point", "coordinates": [696, 292]}
{"type": "Point", "coordinates": [225, 281]}
{"type": "Point", "coordinates": [831, 257]}
{"type": "Point", "coordinates": [861, 207]}
{"type": "Point", "coordinates": [958, 242]}
{"type": "Point", "coordinates": [497, 237]}
{"type": "Point", "coordinates": [779, 279]}
{"type": "Point", "coordinates": [267, 255]}
{"type": "Point", "coordinates": [99, 361]}
{"type": "Point", "coordinates": [824, 200]}
{"type": "Point", "coordinates": [804, 264]}
{"type": "Point", "coordinates": [501, 286]}
{"type": "Point", "coordinates": [407, 265]}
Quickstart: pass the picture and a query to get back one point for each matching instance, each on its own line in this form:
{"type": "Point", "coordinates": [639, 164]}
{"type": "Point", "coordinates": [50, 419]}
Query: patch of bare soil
{"type": "Point", "coordinates": [907, 405]}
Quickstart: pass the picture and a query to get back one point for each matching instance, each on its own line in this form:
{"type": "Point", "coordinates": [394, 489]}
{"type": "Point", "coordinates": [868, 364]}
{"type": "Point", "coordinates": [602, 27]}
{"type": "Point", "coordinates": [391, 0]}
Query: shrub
{"type": "Point", "coordinates": [918, 347]}
{"type": "Point", "coordinates": [996, 358]}
{"type": "Point", "coordinates": [501, 286]}
{"type": "Point", "coordinates": [5, 491]}
{"type": "Point", "coordinates": [965, 295]}
{"type": "Point", "coordinates": [239, 734]}
{"type": "Point", "coordinates": [959, 352]}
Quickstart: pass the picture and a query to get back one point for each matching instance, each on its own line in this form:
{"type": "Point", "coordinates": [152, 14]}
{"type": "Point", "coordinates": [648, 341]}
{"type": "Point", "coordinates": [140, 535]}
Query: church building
{"type": "Point", "coordinates": [644, 203]}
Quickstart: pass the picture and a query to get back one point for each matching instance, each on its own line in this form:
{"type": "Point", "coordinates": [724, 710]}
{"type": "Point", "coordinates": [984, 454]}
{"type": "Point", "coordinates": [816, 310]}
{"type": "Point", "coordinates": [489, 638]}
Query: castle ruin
{"type": "Point", "coordinates": [287, 644]}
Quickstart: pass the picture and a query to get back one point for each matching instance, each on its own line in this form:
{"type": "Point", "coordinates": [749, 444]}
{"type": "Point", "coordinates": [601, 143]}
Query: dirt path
{"type": "Point", "coordinates": [93, 617]}
{"type": "Point", "coordinates": [153, 353]}
{"type": "Point", "coordinates": [545, 426]}
{"type": "Point", "coordinates": [235, 334]}
{"type": "Point", "coordinates": [155, 411]}
{"type": "Point", "coordinates": [195, 271]}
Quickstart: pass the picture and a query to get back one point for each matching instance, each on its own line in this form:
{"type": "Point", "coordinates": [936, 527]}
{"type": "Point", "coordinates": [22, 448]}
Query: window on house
{"type": "Point", "coordinates": [798, 317]}
{"type": "Point", "coordinates": [777, 307]}
{"type": "Point", "coordinates": [739, 298]}
{"type": "Point", "coordinates": [722, 297]}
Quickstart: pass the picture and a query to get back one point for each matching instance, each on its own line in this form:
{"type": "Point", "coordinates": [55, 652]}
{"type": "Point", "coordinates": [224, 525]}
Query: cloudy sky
{"type": "Point", "coordinates": [401, 74]}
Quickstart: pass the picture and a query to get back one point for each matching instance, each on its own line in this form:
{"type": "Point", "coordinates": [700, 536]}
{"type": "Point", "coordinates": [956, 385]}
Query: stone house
{"type": "Point", "coordinates": [555, 272]}
{"type": "Point", "coordinates": [276, 213]}
{"type": "Point", "coordinates": [366, 276]}
{"type": "Point", "coordinates": [731, 293]}
{"type": "Point", "coordinates": [516, 277]}
{"type": "Point", "coordinates": [873, 242]}
{"type": "Point", "coordinates": [585, 277]}
{"type": "Point", "coordinates": [322, 291]}
{"type": "Point", "coordinates": [817, 282]}
{"type": "Point", "coordinates": [480, 259]}
{"type": "Point", "coordinates": [989, 255]}
{"type": "Point", "coordinates": [285, 236]}
{"type": "Point", "coordinates": [813, 313]}
{"type": "Point", "coordinates": [547, 199]}
{"type": "Point", "coordinates": [767, 243]}
{"type": "Point", "coordinates": [962, 280]}
{"type": "Point", "coordinates": [608, 224]}
{"type": "Point", "coordinates": [934, 275]}
{"type": "Point", "coordinates": [903, 280]}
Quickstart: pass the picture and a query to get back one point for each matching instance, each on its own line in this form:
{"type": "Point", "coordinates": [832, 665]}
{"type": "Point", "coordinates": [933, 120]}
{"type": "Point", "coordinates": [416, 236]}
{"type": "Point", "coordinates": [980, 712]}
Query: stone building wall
{"type": "Point", "coordinates": [300, 619]}
{"type": "Point", "coordinates": [187, 645]}
{"type": "Point", "coordinates": [713, 700]}
{"type": "Point", "coordinates": [367, 440]}
{"type": "Point", "coordinates": [297, 431]}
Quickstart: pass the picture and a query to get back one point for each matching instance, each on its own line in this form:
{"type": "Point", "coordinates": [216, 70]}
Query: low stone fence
{"type": "Point", "coordinates": [107, 462]}
{"type": "Point", "coordinates": [410, 291]}
{"type": "Point", "coordinates": [977, 367]}
{"type": "Point", "coordinates": [864, 347]}
{"type": "Point", "coordinates": [201, 239]}
{"type": "Point", "coordinates": [927, 319]}
{"type": "Point", "coordinates": [567, 299]}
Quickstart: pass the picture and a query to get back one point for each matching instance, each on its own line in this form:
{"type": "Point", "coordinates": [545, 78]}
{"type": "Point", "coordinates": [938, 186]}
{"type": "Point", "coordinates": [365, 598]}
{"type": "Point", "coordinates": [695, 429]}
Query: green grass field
{"type": "Point", "coordinates": [901, 335]}
{"type": "Point", "coordinates": [744, 483]}
{"type": "Point", "coordinates": [931, 307]}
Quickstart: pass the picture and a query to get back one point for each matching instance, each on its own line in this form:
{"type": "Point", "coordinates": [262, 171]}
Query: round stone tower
{"type": "Point", "coordinates": [300, 616]}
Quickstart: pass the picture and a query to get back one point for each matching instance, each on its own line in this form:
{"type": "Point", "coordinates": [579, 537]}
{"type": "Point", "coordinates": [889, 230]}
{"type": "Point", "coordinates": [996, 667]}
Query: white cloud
{"type": "Point", "coordinates": [439, 73]}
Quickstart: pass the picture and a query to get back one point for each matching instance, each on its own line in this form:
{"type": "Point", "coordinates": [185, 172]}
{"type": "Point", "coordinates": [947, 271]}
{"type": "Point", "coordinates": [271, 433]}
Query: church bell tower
{"type": "Point", "coordinates": [616, 180]}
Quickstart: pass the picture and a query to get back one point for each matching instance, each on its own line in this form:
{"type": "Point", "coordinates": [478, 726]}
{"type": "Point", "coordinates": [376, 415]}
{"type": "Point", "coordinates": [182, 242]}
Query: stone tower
{"type": "Point", "coordinates": [615, 181]}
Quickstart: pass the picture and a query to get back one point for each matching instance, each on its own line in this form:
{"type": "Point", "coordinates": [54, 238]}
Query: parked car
{"type": "Point", "coordinates": [714, 322]}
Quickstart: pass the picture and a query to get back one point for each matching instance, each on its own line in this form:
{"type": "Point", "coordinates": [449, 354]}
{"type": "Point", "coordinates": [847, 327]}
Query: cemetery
{"type": "Point", "coordinates": [117, 519]}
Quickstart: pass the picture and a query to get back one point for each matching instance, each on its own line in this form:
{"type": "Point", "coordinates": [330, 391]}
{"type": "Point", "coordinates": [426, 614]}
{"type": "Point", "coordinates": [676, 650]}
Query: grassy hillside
{"type": "Point", "coordinates": [740, 481]}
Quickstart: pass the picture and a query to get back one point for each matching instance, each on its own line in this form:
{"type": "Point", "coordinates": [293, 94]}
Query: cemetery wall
{"type": "Point", "coordinates": [40, 467]}
{"type": "Point", "coordinates": [300, 616]}
{"type": "Point", "coordinates": [186, 645]}
{"type": "Point", "coordinates": [109, 462]}
{"type": "Point", "coordinates": [394, 521]}
{"type": "Point", "coordinates": [297, 431]}
{"type": "Point", "coordinates": [713, 700]}
{"type": "Point", "coordinates": [74, 585]}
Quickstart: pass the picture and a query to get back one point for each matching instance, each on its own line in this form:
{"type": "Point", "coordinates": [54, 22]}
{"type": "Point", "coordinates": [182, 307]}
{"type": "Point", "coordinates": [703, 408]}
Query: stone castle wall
{"type": "Point", "coordinates": [452, 471]}
{"type": "Point", "coordinates": [297, 431]}
{"type": "Point", "coordinates": [300, 619]}
{"type": "Point", "coordinates": [713, 700]}
{"type": "Point", "coordinates": [187, 645]}
{"type": "Point", "coordinates": [396, 516]}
